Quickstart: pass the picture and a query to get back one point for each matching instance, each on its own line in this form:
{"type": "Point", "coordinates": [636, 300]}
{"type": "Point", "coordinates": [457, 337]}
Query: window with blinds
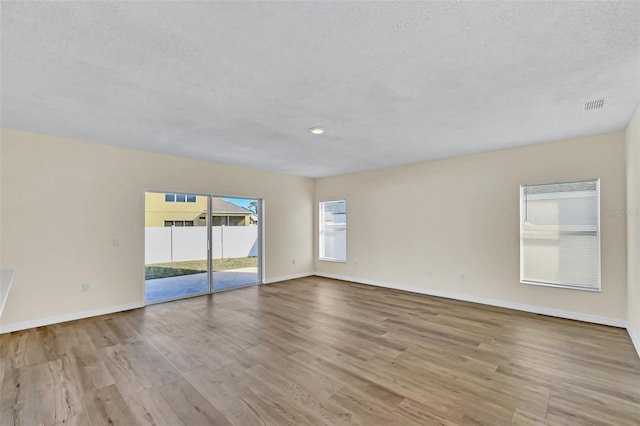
{"type": "Point", "coordinates": [560, 235]}
{"type": "Point", "coordinates": [333, 230]}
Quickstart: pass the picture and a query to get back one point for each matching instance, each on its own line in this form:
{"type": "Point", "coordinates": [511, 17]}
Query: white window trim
{"type": "Point", "coordinates": [599, 242]}
{"type": "Point", "coordinates": [320, 235]}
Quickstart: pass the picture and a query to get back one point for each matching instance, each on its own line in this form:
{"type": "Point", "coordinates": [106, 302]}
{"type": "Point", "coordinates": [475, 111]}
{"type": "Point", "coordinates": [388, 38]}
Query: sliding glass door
{"type": "Point", "coordinates": [235, 240]}
{"type": "Point", "coordinates": [195, 244]}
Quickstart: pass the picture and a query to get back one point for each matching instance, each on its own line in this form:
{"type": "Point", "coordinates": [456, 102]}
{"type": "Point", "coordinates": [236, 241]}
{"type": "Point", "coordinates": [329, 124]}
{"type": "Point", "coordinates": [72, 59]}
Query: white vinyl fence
{"type": "Point", "coordinates": [175, 244]}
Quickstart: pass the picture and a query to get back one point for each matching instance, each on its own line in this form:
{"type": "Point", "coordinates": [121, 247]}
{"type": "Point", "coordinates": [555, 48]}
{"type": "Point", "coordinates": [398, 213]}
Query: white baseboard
{"type": "Point", "coordinates": [430, 292]}
{"type": "Point", "coordinates": [288, 277]}
{"type": "Point", "coordinates": [109, 310]}
{"type": "Point", "coordinates": [485, 301]}
{"type": "Point", "coordinates": [68, 317]}
{"type": "Point", "coordinates": [634, 340]}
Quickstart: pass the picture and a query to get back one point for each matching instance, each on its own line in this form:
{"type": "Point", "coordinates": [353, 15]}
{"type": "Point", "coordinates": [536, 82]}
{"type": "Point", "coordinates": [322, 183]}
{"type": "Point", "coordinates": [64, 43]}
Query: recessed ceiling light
{"type": "Point", "coordinates": [316, 130]}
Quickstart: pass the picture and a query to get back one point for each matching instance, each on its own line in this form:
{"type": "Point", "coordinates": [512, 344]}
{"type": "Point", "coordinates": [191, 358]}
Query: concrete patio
{"type": "Point", "coordinates": [171, 287]}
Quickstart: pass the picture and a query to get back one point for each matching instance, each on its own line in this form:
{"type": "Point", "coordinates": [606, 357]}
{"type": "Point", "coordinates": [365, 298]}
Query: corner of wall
{"type": "Point", "coordinates": [632, 140]}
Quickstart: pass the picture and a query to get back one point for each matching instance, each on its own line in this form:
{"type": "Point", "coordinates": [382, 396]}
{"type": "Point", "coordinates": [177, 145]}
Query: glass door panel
{"type": "Point", "coordinates": [235, 242]}
{"type": "Point", "coordinates": [176, 246]}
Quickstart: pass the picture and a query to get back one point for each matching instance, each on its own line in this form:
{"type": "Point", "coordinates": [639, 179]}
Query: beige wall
{"type": "Point", "coordinates": [62, 202]}
{"type": "Point", "coordinates": [633, 226]}
{"type": "Point", "coordinates": [468, 211]}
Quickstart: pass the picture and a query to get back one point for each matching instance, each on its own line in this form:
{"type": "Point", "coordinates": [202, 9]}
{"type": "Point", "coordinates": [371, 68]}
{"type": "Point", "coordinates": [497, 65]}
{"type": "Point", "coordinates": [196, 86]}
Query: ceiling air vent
{"type": "Point", "coordinates": [595, 104]}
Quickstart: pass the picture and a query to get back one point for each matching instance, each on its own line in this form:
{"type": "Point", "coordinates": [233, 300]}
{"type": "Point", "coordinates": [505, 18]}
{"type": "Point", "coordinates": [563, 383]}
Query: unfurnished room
{"type": "Point", "coordinates": [319, 213]}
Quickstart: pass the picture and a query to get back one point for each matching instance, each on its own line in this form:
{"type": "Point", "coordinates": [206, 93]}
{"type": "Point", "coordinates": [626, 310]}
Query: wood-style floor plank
{"type": "Point", "coordinates": [317, 351]}
{"type": "Point", "coordinates": [190, 406]}
{"type": "Point", "coordinates": [106, 407]}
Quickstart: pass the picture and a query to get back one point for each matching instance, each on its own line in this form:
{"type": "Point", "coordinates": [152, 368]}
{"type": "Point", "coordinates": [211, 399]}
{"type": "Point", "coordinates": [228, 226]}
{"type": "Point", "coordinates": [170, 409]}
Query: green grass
{"type": "Point", "coordinates": [175, 269]}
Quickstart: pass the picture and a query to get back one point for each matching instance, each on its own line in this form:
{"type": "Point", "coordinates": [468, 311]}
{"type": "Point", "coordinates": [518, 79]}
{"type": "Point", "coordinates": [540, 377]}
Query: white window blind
{"type": "Point", "coordinates": [333, 230]}
{"type": "Point", "coordinates": [560, 235]}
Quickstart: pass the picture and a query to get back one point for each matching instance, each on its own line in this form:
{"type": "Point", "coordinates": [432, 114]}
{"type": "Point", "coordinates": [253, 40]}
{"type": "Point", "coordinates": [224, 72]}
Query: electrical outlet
{"type": "Point", "coordinates": [86, 287]}
{"type": "Point", "coordinates": [461, 276]}
{"type": "Point", "coordinates": [429, 273]}
{"type": "Point", "coordinates": [293, 261]}
{"type": "Point", "coordinates": [116, 242]}
{"type": "Point", "coordinates": [356, 262]}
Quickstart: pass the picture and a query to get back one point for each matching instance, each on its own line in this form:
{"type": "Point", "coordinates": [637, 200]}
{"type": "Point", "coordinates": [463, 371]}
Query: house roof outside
{"type": "Point", "coordinates": [221, 206]}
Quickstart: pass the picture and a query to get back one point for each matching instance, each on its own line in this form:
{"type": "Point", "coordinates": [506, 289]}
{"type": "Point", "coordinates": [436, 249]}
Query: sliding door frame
{"type": "Point", "coordinates": [210, 283]}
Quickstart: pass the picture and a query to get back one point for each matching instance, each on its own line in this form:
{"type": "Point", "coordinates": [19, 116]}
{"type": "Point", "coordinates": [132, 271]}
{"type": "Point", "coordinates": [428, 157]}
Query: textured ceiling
{"type": "Point", "coordinates": [392, 83]}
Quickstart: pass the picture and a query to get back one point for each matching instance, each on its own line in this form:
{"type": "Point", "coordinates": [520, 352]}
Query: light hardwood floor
{"type": "Point", "coordinates": [316, 351]}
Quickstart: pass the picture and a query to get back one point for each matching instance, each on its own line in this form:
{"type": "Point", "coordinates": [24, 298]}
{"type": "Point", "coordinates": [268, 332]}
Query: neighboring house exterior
{"type": "Point", "coordinates": [174, 209]}
{"type": "Point", "coordinates": [229, 214]}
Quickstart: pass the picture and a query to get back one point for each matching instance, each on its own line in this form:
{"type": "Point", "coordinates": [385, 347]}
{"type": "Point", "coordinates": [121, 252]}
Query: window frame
{"type": "Point", "coordinates": [184, 222]}
{"type": "Point", "coordinates": [172, 197]}
{"type": "Point", "coordinates": [598, 239]}
{"type": "Point", "coordinates": [321, 228]}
